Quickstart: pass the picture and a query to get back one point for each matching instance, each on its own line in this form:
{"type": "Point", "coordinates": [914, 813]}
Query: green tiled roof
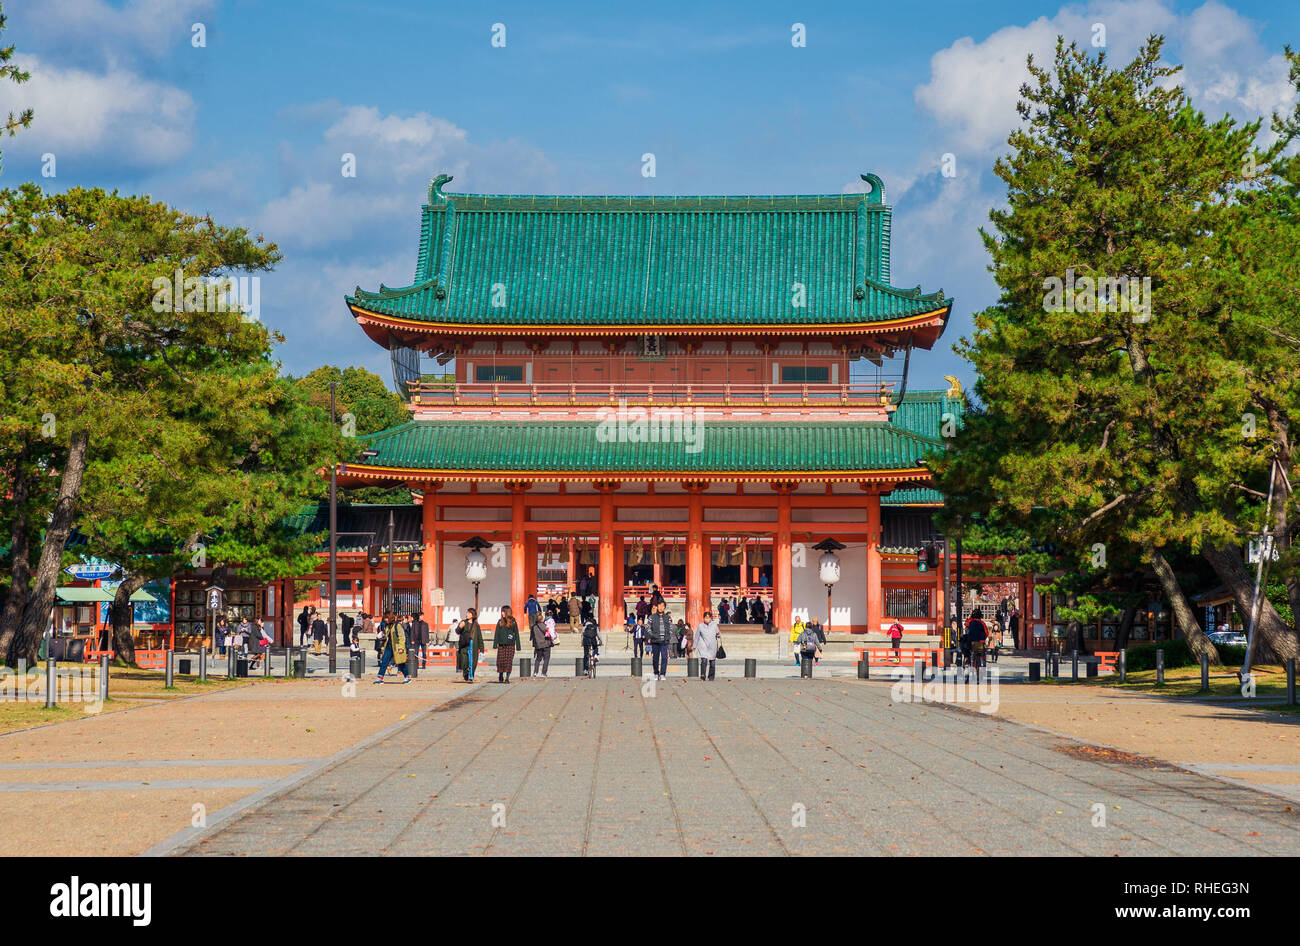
{"type": "Point", "coordinates": [915, 496]}
{"type": "Point", "coordinates": [577, 447]}
{"type": "Point", "coordinates": [525, 260]}
{"type": "Point", "coordinates": [922, 412]}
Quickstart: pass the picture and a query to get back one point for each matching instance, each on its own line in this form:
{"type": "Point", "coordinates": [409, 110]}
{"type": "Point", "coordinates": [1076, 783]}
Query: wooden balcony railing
{"type": "Point", "coordinates": [703, 394]}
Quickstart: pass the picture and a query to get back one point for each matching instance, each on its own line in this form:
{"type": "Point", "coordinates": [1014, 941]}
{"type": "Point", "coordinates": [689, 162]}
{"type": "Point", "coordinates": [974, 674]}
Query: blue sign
{"type": "Point", "coordinates": [91, 572]}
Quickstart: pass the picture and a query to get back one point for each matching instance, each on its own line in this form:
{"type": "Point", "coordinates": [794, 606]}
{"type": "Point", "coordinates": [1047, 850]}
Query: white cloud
{"type": "Point", "coordinates": [96, 31]}
{"type": "Point", "coordinates": [116, 118]}
{"type": "Point", "coordinates": [974, 86]}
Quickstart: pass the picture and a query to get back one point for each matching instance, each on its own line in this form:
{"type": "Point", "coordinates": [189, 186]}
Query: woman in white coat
{"type": "Point", "coordinates": [706, 646]}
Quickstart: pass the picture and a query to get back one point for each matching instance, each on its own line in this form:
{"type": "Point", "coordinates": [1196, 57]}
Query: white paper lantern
{"type": "Point", "coordinates": [475, 565]}
{"type": "Point", "coordinates": [828, 566]}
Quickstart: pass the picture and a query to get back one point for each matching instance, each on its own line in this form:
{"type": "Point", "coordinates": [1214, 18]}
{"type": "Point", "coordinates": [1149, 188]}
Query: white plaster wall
{"type": "Point", "coordinates": [849, 600]}
{"type": "Point", "coordinates": [493, 592]}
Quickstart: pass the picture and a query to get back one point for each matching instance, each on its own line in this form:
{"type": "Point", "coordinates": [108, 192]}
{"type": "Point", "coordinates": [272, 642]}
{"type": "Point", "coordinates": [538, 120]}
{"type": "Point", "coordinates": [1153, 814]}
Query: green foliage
{"type": "Point", "coordinates": [10, 71]}
{"type": "Point", "coordinates": [372, 407]}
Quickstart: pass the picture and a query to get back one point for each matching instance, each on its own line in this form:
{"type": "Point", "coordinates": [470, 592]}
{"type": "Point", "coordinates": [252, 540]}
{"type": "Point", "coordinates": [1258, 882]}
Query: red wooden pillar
{"type": "Point", "coordinates": [429, 562]}
{"type": "Point", "coordinates": [875, 596]}
{"type": "Point", "coordinates": [619, 578]}
{"type": "Point", "coordinates": [696, 559]}
{"type": "Point", "coordinates": [518, 566]}
{"type": "Point", "coordinates": [783, 606]}
{"type": "Point", "coordinates": [605, 571]}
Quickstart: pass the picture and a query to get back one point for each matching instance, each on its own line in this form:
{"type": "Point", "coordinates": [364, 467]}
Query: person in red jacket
{"type": "Point", "coordinates": [896, 640]}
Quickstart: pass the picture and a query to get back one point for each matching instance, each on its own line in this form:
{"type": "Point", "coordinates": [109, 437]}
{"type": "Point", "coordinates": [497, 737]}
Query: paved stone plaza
{"type": "Point", "coordinates": [574, 766]}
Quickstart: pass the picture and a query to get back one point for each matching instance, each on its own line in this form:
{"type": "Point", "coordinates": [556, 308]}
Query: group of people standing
{"type": "Point", "coordinates": [249, 636]}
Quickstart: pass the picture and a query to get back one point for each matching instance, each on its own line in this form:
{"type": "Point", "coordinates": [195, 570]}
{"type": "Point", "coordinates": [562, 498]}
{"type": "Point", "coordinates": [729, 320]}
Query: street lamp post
{"type": "Point", "coordinates": [390, 604]}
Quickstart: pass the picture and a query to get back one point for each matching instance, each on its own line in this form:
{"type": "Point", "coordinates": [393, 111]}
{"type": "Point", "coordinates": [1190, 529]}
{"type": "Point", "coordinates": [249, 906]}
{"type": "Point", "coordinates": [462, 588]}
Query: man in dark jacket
{"type": "Point", "coordinates": [304, 624]}
{"type": "Point", "coordinates": [660, 632]}
{"type": "Point", "coordinates": [590, 645]}
{"type": "Point", "coordinates": [419, 640]}
{"type": "Point", "coordinates": [347, 623]}
{"type": "Point", "coordinates": [656, 598]}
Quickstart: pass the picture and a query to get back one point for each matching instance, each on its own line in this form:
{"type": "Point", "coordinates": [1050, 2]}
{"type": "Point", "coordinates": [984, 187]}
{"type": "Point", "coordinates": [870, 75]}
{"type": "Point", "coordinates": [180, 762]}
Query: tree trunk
{"type": "Point", "coordinates": [36, 616]}
{"type": "Point", "coordinates": [21, 569]}
{"type": "Point", "coordinates": [1274, 641]}
{"type": "Point", "coordinates": [1126, 625]}
{"type": "Point", "coordinates": [121, 613]}
{"type": "Point", "coordinates": [1197, 642]}
{"type": "Point", "coordinates": [1074, 629]}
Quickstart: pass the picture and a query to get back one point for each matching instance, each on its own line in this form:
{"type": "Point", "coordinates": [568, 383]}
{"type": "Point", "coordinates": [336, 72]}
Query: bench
{"type": "Point", "coordinates": [903, 657]}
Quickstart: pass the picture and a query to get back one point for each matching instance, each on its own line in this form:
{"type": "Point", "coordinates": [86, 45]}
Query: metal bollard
{"type": "Point", "coordinates": [577, 667]}
{"type": "Point", "coordinates": [357, 665]}
{"type": "Point", "coordinates": [805, 668]}
{"type": "Point", "coordinates": [692, 666]}
{"type": "Point", "coordinates": [751, 668]}
{"type": "Point", "coordinates": [103, 677]}
{"type": "Point", "coordinates": [918, 671]}
{"type": "Point", "coordinates": [1290, 681]}
{"type": "Point", "coordinates": [266, 662]}
{"type": "Point", "coordinates": [864, 670]}
{"type": "Point", "coordinates": [1074, 665]}
{"type": "Point", "coordinates": [230, 663]}
{"type": "Point", "coordinates": [288, 661]}
{"type": "Point", "coordinates": [171, 669]}
{"type": "Point", "coordinates": [412, 664]}
{"type": "Point", "coordinates": [1205, 671]}
{"type": "Point", "coordinates": [1034, 671]}
{"type": "Point", "coordinates": [934, 659]}
{"type": "Point", "coordinates": [637, 664]}
{"type": "Point", "coordinates": [525, 667]}
{"type": "Point", "coordinates": [1090, 669]}
{"type": "Point", "coordinates": [51, 681]}
{"type": "Point", "coordinates": [300, 664]}
{"type": "Point", "coordinates": [1056, 666]}
{"type": "Point", "coordinates": [1160, 666]}
{"type": "Point", "coordinates": [203, 664]}
{"type": "Point", "coordinates": [1123, 665]}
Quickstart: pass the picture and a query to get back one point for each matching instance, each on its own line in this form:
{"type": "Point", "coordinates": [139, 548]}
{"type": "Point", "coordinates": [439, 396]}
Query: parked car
{"type": "Point", "coordinates": [1228, 638]}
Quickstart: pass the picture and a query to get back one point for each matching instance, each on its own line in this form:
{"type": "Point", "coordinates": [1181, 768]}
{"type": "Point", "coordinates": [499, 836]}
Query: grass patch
{"type": "Point", "coordinates": [1185, 683]}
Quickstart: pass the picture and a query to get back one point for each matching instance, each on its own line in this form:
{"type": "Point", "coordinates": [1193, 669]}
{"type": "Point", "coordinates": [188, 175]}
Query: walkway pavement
{"type": "Point", "coordinates": [771, 766]}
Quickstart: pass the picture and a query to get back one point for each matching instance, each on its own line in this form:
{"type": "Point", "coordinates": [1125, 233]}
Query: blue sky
{"type": "Point", "coordinates": [251, 126]}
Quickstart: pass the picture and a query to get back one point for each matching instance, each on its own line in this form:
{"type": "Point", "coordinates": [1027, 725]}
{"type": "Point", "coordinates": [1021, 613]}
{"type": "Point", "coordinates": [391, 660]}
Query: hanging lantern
{"type": "Point", "coordinates": [584, 557]}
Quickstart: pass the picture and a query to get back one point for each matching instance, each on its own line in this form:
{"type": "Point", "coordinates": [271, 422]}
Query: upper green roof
{"type": "Point", "coordinates": [522, 260]}
{"type": "Point", "coordinates": [577, 447]}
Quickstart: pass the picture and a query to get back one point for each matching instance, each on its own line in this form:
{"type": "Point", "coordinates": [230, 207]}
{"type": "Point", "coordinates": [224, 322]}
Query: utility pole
{"type": "Point", "coordinates": [960, 624]}
{"type": "Point", "coordinates": [334, 548]}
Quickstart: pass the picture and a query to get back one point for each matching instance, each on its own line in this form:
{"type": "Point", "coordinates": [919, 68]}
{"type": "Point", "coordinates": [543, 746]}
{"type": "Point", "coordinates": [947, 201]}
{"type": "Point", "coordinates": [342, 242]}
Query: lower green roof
{"type": "Point", "coordinates": [723, 446]}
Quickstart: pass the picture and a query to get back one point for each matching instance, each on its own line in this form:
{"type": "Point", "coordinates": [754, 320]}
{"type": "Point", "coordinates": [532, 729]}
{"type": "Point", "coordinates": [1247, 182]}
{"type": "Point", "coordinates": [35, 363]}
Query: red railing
{"type": "Point", "coordinates": [504, 392]}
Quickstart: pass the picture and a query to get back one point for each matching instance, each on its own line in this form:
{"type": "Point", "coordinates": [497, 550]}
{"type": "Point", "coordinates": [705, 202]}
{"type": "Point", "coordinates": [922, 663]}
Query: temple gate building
{"type": "Point", "coordinates": [687, 391]}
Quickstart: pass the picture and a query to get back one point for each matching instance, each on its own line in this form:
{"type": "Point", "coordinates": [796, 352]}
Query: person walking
{"type": "Point", "coordinates": [660, 634]}
{"type": "Point", "coordinates": [656, 598]}
{"type": "Point", "coordinates": [896, 640]}
{"type": "Point", "coordinates": [706, 646]}
{"type": "Point", "coordinates": [539, 631]}
{"type": "Point", "coordinates": [638, 637]}
{"type": "Point", "coordinates": [575, 611]}
{"type": "Point", "coordinates": [724, 612]}
{"type": "Point", "coordinates": [420, 640]}
{"type": "Point", "coordinates": [590, 646]}
{"type": "Point", "coordinates": [796, 632]}
{"type": "Point", "coordinates": [348, 623]}
{"type": "Point", "coordinates": [243, 634]}
{"type": "Point", "coordinates": [219, 635]}
{"type": "Point", "coordinates": [469, 644]}
{"type": "Point", "coordinates": [394, 651]}
{"type": "Point", "coordinates": [642, 608]}
{"type": "Point", "coordinates": [809, 646]}
{"type": "Point", "coordinates": [531, 607]}
{"type": "Point", "coordinates": [304, 624]}
{"type": "Point", "coordinates": [741, 612]}
{"type": "Point", "coordinates": [506, 640]}
{"type": "Point", "coordinates": [262, 640]}
{"type": "Point", "coordinates": [318, 630]}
